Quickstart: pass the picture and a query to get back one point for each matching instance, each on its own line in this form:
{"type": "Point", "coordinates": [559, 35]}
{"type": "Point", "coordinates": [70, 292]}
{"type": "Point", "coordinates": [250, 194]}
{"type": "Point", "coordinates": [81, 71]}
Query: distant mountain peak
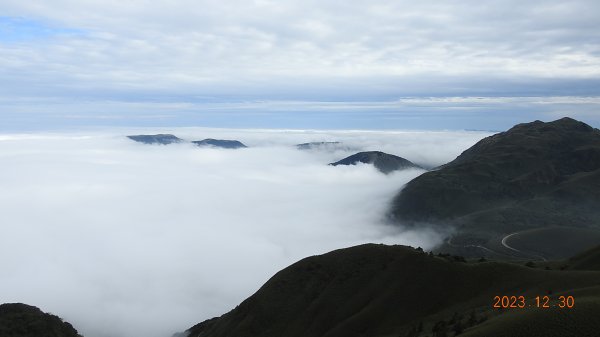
{"type": "Point", "coordinates": [384, 162]}
{"type": "Point", "coordinates": [326, 146]}
{"type": "Point", "coordinates": [163, 139]}
{"type": "Point", "coordinates": [222, 143]}
{"type": "Point", "coordinates": [316, 145]}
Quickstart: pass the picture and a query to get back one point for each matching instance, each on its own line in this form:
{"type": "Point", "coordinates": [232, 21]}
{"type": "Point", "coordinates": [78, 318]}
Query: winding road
{"type": "Point", "coordinates": [505, 245]}
{"type": "Point", "coordinates": [517, 253]}
{"type": "Point", "coordinates": [449, 242]}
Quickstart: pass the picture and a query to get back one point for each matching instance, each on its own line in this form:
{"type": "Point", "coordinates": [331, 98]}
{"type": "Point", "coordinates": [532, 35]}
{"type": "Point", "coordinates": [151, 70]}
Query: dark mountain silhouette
{"type": "Point", "coordinates": [163, 139]}
{"type": "Point", "coordinates": [384, 162]}
{"type": "Point", "coordinates": [222, 143]}
{"type": "Point", "coordinates": [378, 290]}
{"type": "Point", "coordinates": [535, 175]}
{"type": "Point", "coordinates": [21, 320]}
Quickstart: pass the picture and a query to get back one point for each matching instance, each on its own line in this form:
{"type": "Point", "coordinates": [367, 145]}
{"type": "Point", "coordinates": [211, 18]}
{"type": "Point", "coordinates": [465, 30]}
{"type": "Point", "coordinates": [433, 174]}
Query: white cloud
{"type": "Point", "coordinates": [125, 239]}
{"type": "Point", "coordinates": [119, 56]}
{"type": "Point", "coordinates": [210, 45]}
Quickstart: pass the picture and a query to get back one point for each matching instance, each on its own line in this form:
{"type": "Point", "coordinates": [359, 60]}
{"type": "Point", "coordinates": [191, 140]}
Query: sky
{"type": "Point", "coordinates": [69, 64]}
{"type": "Point", "coordinates": [123, 239]}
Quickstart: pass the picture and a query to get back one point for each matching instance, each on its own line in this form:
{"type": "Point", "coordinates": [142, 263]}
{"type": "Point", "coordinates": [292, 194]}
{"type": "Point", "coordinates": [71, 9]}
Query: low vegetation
{"type": "Point", "coordinates": [21, 320]}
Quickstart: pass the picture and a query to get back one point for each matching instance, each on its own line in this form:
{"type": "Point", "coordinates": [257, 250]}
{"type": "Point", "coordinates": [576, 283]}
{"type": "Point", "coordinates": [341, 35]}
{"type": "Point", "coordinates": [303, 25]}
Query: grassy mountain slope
{"type": "Point", "coordinates": [533, 175]}
{"type": "Point", "coordinates": [377, 290]}
{"type": "Point", "coordinates": [588, 260]}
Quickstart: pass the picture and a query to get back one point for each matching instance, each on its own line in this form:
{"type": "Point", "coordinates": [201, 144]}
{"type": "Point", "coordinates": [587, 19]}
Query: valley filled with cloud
{"type": "Point", "coordinates": [127, 239]}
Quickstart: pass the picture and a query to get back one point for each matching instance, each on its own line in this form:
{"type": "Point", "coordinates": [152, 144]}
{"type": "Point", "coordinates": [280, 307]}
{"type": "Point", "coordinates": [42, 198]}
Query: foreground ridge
{"type": "Point", "coordinates": [379, 290]}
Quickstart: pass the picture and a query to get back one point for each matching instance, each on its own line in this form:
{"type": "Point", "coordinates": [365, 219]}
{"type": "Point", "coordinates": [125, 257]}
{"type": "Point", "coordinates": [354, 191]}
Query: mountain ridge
{"type": "Point", "coordinates": [535, 175]}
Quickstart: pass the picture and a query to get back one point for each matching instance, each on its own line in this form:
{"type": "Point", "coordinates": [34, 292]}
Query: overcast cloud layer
{"type": "Point", "coordinates": [124, 239]}
{"type": "Point", "coordinates": [140, 62]}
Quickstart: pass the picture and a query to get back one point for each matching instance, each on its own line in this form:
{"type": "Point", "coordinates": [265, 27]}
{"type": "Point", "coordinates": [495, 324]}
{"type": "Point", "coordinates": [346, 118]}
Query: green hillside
{"type": "Point", "coordinates": [378, 290]}
{"type": "Point", "coordinates": [535, 175]}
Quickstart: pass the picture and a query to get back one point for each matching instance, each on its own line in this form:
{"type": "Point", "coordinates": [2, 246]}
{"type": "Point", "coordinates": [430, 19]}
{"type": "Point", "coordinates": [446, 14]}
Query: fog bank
{"type": "Point", "coordinates": [124, 239]}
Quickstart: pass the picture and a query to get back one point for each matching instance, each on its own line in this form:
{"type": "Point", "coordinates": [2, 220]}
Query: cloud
{"type": "Point", "coordinates": [222, 47]}
{"type": "Point", "coordinates": [125, 239]}
{"type": "Point", "coordinates": [175, 59]}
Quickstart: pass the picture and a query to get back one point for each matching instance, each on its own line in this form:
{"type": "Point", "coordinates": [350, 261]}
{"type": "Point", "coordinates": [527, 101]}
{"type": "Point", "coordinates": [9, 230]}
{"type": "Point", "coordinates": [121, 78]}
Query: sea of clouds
{"type": "Point", "coordinates": [124, 239]}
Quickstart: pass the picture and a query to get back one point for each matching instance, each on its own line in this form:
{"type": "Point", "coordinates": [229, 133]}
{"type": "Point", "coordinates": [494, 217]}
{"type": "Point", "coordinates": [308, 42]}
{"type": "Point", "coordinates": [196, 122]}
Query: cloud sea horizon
{"type": "Point", "coordinates": [124, 239]}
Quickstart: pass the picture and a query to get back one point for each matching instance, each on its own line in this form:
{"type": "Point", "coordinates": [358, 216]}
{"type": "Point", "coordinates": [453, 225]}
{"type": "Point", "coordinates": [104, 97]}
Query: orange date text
{"type": "Point", "coordinates": [521, 302]}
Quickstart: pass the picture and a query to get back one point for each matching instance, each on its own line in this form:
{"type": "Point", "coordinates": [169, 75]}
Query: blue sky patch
{"type": "Point", "coordinates": [18, 29]}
